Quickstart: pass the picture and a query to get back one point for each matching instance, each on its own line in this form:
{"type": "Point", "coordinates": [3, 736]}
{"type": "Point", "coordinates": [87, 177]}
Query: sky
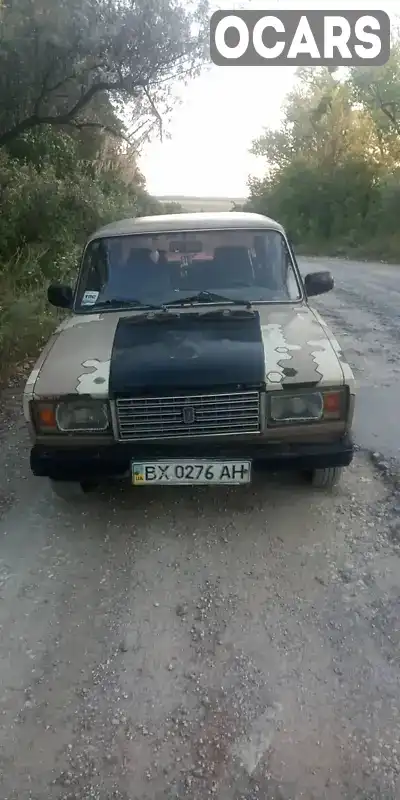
{"type": "Point", "coordinates": [221, 112]}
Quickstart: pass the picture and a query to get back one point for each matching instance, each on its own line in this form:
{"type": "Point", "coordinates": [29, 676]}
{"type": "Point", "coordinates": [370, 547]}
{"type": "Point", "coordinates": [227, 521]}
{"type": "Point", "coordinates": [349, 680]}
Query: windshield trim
{"type": "Point", "coordinates": [250, 229]}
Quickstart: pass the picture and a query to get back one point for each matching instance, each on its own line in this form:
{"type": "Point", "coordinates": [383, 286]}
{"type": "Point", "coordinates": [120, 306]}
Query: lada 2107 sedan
{"type": "Point", "coordinates": [190, 356]}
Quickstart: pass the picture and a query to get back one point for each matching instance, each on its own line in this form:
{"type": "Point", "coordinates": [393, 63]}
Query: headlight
{"type": "Point", "coordinates": [72, 416]}
{"type": "Point", "coordinates": [82, 416]}
{"type": "Point", "coordinates": [306, 407]}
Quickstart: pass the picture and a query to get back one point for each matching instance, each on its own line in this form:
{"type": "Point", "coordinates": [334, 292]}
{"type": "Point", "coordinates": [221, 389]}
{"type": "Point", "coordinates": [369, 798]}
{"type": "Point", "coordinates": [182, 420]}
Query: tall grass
{"type": "Point", "coordinates": [26, 318]}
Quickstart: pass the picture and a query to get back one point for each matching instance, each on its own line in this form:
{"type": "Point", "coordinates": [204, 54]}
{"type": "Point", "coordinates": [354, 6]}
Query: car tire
{"type": "Point", "coordinates": [68, 490]}
{"type": "Point", "coordinates": [326, 478]}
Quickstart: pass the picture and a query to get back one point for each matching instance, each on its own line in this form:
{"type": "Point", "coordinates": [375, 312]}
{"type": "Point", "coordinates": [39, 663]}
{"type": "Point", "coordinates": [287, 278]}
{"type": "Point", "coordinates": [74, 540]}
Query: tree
{"type": "Point", "coordinates": [81, 83]}
{"type": "Point", "coordinates": [57, 60]}
{"type": "Point", "coordinates": [377, 91]}
{"type": "Point", "coordinates": [331, 168]}
{"type": "Point", "coordinates": [320, 123]}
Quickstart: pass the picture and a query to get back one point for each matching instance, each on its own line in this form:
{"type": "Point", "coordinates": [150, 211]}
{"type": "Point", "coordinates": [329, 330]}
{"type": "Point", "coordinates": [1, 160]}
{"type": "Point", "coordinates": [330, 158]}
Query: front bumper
{"type": "Point", "coordinates": [96, 463]}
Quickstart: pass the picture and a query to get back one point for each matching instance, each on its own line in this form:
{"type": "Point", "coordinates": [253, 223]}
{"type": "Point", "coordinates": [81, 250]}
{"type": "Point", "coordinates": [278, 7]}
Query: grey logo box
{"type": "Point", "coordinates": [366, 38]}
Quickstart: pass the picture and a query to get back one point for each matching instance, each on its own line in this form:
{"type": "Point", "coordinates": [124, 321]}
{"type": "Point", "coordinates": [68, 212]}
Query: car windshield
{"type": "Point", "coordinates": [242, 265]}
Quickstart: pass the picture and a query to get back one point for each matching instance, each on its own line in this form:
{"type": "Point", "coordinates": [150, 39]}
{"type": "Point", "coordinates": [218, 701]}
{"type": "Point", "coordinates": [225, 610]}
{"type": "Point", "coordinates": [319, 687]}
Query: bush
{"type": "Point", "coordinates": [351, 209]}
{"type": "Point", "coordinates": [45, 219]}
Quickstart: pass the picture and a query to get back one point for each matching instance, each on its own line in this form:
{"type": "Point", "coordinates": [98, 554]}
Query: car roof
{"type": "Point", "coordinates": [165, 223]}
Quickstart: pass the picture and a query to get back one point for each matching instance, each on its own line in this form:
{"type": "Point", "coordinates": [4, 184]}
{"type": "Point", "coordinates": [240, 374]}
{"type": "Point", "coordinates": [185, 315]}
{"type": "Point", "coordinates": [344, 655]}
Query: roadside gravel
{"type": "Point", "coordinates": [164, 645]}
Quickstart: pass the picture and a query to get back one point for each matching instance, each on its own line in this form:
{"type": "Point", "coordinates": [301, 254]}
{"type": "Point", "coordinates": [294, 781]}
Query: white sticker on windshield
{"type": "Point", "coordinates": [89, 298]}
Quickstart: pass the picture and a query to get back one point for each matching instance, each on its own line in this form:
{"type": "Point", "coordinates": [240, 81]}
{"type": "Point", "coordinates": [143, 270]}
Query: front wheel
{"type": "Point", "coordinates": [326, 478]}
{"type": "Point", "coordinates": [69, 490]}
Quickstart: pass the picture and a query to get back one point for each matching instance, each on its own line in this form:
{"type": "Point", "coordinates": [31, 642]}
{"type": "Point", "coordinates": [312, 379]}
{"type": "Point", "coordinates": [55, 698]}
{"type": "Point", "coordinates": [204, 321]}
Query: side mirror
{"type": "Point", "coordinates": [60, 296]}
{"type": "Point", "coordinates": [318, 283]}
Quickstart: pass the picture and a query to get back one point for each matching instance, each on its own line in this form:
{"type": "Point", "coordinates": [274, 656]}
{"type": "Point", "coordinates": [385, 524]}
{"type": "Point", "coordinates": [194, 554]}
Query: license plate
{"type": "Point", "coordinates": [191, 473]}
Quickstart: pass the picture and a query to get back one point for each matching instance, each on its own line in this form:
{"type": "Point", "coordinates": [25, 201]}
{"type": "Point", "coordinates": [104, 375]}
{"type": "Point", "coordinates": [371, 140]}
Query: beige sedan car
{"type": "Point", "coordinates": [190, 355]}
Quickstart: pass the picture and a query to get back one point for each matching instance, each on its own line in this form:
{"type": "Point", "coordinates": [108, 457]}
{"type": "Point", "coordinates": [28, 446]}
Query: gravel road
{"type": "Point", "coordinates": [237, 644]}
{"type": "Point", "coordinates": [364, 310]}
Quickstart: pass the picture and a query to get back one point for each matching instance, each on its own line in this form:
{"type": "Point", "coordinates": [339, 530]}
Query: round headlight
{"type": "Point", "coordinates": [84, 415]}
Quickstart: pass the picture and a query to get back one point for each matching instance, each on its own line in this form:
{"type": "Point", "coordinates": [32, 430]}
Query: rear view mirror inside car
{"type": "Point", "coordinates": [181, 246]}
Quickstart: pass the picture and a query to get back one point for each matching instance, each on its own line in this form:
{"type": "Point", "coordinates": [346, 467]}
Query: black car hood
{"type": "Point", "coordinates": [180, 352]}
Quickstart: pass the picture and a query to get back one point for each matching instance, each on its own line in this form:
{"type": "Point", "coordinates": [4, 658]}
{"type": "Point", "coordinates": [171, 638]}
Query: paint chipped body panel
{"type": "Point", "coordinates": [29, 391]}
{"type": "Point", "coordinates": [80, 358]}
{"type": "Point", "coordinates": [348, 374]}
{"type": "Point", "coordinates": [298, 349]}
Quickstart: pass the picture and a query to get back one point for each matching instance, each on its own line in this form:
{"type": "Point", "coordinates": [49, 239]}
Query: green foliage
{"type": "Point", "coordinates": [26, 319]}
{"type": "Point", "coordinates": [50, 202]}
{"type": "Point", "coordinates": [378, 88]}
{"type": "Point", "coordinates": [332, 170]}
{"type": "Point", "coordinates": [42, 209]}
{"type": "Point", "coordinates": [67, 161]}
{"type": "Point", "coordinates": [57, 60]}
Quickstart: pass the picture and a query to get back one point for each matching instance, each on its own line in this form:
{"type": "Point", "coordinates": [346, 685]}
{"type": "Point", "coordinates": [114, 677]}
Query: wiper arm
{"type": "Point", "coordinates": [207, 297]}
{"type": "Point", "coordinates": [123, 302]}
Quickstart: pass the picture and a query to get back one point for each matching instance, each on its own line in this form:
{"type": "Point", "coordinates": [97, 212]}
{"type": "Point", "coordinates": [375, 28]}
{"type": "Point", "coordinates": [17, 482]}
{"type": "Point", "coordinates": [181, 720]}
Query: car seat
{"type": "Point", "coordinates": [231, 265]}
{"type": "Point", "coordinates": [146, 274]}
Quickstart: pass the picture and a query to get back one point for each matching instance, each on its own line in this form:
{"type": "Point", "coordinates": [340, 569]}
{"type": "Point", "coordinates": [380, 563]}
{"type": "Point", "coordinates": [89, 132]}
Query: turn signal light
{"type": "Point", "coordinates": [332, 404]}
{"type": "Point", "coordinates": [46, 417]}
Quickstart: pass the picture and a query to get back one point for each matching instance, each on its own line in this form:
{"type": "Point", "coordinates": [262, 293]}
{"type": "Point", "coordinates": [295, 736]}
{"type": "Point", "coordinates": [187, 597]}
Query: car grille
{"type": "Point", "coordinates": [200, 415]}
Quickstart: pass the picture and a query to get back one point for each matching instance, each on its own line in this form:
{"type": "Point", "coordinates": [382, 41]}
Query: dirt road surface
{"type": "Point", "coordinates": [237, 644]}
{"type": "Point", "coordinates": [364, 310]}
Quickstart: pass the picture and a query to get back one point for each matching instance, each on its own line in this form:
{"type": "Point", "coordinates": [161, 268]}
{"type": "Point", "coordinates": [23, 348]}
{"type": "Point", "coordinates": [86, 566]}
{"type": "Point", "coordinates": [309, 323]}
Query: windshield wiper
{"type": "Point", "coordinates": [207, 297]}
{"type": "Point", "coordinates": [123, 302]}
